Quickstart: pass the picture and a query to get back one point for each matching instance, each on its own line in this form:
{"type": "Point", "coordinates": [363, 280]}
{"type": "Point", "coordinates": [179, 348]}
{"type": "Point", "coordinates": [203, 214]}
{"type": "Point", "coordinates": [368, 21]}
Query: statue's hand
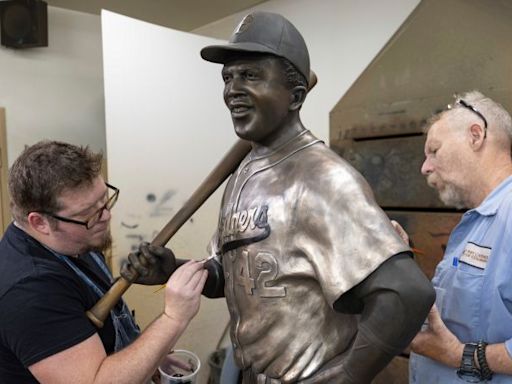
{"type": "Point", "coordinates": [150, 265]}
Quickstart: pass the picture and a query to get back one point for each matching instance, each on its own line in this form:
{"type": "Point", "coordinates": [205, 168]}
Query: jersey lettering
{"type": "Point", "coordinates": [240, 221]}
{"type": "Point", "coordinates": [245, 227]}
{"type": "Point", "coordinates": [268, 267]}
{"type": "Point", "coordinates": [258, 273]}
{"type": "Point", "coordinates": [243, 274]}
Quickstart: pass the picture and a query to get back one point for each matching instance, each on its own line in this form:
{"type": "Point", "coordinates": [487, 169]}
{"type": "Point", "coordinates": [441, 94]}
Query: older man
{"type": "Point", "coordinates": [469, 332]}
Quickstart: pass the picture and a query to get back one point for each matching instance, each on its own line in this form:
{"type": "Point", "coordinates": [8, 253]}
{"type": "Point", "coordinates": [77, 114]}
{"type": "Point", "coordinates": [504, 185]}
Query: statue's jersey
{"type": "Point", "coordinates": [298, 228]}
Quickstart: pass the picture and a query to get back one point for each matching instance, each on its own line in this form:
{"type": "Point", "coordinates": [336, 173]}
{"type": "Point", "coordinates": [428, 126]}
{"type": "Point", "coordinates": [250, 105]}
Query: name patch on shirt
{"type": "Point", "coordinates": [475, 255]}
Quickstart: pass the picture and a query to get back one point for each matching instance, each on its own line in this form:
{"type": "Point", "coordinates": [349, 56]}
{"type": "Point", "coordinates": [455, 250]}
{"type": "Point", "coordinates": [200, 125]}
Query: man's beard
{"type": "Point", "coordinates": [106, 243]}
{"type": "Point", "coordinates": [450, 195]}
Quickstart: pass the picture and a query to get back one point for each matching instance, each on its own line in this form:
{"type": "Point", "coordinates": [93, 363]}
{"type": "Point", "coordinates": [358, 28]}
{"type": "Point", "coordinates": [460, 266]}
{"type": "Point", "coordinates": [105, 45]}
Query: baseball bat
{"type": "Point", "coordinates": [226, 167]}
{"type": "Point", "coordinates": [228, 164]}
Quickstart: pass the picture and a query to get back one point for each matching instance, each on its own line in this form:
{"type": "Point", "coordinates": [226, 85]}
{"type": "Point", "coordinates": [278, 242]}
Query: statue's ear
{"type": "Point", "coordinates": [298, 95]}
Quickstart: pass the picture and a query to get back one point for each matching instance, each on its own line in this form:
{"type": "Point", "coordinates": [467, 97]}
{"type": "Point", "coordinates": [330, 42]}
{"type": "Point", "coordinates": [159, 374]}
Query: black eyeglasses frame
{"type": "Point", "coordinates": [96, 215]}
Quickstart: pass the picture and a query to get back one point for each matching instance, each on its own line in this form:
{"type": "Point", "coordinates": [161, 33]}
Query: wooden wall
{"type": "Point", "coordinates": [5, 214]}
{"type": "Point", "coordinates": [391, 164]}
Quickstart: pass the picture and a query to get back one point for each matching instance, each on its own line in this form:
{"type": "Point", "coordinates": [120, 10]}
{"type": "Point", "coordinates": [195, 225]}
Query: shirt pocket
{"type": "Point", "coordinates": [461, 311]}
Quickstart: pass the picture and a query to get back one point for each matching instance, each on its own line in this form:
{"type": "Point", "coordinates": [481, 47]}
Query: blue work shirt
{"type": "Point", "coordinates": [473, 284]}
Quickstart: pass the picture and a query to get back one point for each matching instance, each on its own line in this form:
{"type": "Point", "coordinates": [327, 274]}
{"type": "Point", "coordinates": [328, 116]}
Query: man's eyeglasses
{"type": "Point", "coordinates": [95, 217]}
{"type": "Point", "coordinates": [474, 110]}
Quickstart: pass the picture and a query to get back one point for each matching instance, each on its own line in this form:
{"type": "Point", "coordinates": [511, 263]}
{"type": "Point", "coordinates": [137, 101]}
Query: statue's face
{"type": "Point", "coordinates": [256, 94]}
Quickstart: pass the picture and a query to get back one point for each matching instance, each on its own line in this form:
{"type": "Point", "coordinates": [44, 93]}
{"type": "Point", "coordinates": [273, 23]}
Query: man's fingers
{"type": "Point", "coordinates": [175, 362]}
{"type": "Point", "coordinates": [434, 318]}
{"type": "Point", "coordinates": [419, 340]}
{"type": "Point", "coordinates": [401, 232]}
{"type": "Point", "coordinates": [202, 281]}
{"type": "Point", "coordinates": [184, 273]}
{"type": "Point", "coordinates": [196, 278]}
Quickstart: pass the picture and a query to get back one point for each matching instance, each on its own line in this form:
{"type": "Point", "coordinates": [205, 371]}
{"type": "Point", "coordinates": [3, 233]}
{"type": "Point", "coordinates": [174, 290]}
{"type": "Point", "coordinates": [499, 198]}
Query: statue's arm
{"type": "Point", "coordinates": [393, 302]}
{"type": "Point", "coordinates": [214, 286]}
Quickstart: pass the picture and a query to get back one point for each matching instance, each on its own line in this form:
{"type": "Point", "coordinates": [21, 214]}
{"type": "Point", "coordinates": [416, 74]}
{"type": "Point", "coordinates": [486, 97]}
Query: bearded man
{"type": "Point", "coordinates": [468, 161]}
{"type": "Point", "coordinates": [53, 271]}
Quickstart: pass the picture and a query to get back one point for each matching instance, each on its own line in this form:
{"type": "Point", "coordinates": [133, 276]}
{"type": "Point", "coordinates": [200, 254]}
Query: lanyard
{"type": "Point", "coordinates": [126, 329]}
{"type": "Point", "coordinates": [82, 275]}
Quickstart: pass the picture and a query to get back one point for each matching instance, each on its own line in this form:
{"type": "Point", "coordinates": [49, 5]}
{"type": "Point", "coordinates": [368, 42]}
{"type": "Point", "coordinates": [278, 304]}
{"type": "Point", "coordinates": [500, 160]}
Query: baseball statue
{"type": "Point", "coordinates": [319, 286]}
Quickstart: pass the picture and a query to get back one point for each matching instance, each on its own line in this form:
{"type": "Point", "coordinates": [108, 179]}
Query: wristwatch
{"type": "Point", "coordinates": [468, 370]}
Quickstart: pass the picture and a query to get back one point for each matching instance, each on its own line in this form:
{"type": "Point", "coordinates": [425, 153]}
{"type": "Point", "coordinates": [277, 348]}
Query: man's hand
{"type": "Point", "coordinates": [183, 292]}
{"type": "Point", "coordinates": [401, 231]}
{"type": "Point", "coordinates": [437, 342]}
{"type": "Point", "coordinates": [153, 265]}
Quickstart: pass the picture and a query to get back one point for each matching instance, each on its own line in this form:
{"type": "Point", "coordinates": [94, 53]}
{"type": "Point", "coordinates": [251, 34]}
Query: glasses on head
{"type": "Point", "coordinates": [466, 105]}
{"type": "Point", "coordinates": [95, 217]}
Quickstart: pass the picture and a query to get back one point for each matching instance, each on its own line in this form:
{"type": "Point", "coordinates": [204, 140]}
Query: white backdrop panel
{"type": "Point", "coordinates": [166, 127]}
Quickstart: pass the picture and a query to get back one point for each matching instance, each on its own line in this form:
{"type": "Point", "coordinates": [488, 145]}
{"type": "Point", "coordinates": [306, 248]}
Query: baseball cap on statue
{"type": "Point", "coordinates": [263, 32]}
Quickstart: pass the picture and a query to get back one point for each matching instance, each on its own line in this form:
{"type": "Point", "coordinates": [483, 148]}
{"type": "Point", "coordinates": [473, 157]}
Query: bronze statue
{"type": "Point", "coordinates": [319, 286]}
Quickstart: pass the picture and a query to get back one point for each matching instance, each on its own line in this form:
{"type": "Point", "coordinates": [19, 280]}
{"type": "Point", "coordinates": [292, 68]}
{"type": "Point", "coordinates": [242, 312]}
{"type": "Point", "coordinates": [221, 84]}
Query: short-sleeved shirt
{"type": "Point", "coordinates": [298, 228]}
{"type": "Point", "coordinates": [42, 305]}
{"type": "Point", "coordinates": [473, 284]}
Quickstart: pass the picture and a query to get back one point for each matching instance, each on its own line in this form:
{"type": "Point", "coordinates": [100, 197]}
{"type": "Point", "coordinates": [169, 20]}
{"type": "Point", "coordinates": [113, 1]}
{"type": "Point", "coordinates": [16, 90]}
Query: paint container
{"type": "Point", "coordinates": [179, 367]}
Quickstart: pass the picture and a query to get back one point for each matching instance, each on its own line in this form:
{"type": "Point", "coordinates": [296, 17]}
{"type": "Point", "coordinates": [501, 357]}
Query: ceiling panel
{"type": "Point", "coordinates": [184, 15]}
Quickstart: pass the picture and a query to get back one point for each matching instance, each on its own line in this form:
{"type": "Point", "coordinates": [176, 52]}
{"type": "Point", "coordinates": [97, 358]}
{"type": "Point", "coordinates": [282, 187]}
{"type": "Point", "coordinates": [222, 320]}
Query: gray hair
{"type": "Point", "coordinates": [498, 119]}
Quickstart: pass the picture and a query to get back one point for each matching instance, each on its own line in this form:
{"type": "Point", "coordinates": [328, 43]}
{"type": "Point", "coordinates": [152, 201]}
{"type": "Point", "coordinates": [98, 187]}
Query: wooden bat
{"type": "Point", "coordinates": [228, 164]}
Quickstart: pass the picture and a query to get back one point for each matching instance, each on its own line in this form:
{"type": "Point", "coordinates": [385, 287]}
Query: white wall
{"type": "Point", "coordinates": [166, 128]}
{"type": "Point", "coordinates": [55, 92]}
{"type": "Point", "coordinates": [343, 36]}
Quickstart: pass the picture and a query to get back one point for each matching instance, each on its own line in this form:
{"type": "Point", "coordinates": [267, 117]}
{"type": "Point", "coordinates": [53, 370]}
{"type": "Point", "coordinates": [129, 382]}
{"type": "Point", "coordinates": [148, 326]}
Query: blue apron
{"type": "Point", "coordinates": [124, 325]}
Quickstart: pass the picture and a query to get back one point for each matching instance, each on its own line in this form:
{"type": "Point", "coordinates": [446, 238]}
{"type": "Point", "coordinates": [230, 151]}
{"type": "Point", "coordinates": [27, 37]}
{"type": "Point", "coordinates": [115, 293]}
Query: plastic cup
{"type": "Point", "coordinates": [179, 366]}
